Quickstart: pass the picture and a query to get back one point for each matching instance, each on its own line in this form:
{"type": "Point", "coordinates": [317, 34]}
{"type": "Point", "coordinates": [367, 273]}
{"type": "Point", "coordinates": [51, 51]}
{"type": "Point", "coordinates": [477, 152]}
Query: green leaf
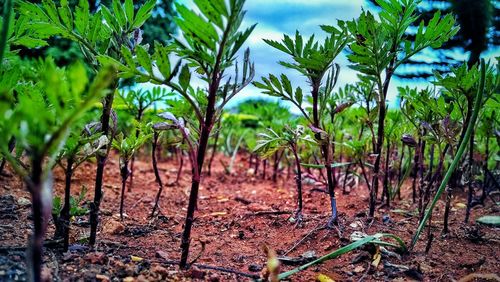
{"type": "Point", "coordinates": [298, 95]}
{"type": "Point", "coordinates": [493, 220]}
{"type": "Point", "coordinates": [119, 13]}
{"type": "Point", "coordinates": [82, 15]}
{"type": "Point", "coordinates": [184, 77]}
{"type": "Point", "coordinates": [287, 85]}
{"type": "Point", "coordinates": [66, 15]}
{"type": "Point", "coordinates": [275, 81]}
{"type": "Point", "coordinates": [277, 45]}
{"type": "Point", "coordinates": [162, 60]}
{"type": "Point", "coordinates": [129, 11]}
{"type": "Point", "coordinates": [143, 14]}
{"type": "Point", "coordinates": [242, 37]}
{"type": "Point", "coordinates": [29, 42]}
{"type": "Point", "coordinates": [107, 60]}
{"type": "Point", "coordinates": [127, 56]}
{"type": "Point", "coordinates": [198, 29]}
{"type": "Point", "coordinates": [50, 8]}
{"type": "Point", "coordinates": [144, 59]}
{"type": "Point", "coordinates": [374, 239]}
{"type": "Point", "coordinates": [111, 20]}
{"type": "Point", "coordinates": [210, 11]}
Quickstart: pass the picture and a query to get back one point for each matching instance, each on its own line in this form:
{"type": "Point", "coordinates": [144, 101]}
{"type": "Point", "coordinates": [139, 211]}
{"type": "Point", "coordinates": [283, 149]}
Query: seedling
{"type": "Point", "coordinates": [104, 36]}
{"type": "Point", "coordinates": [79, 147]}
{"type": "Point", "coordinates": [127, 146]}
{"type": "Point", "coordinates": [137, 103]}
{"type": "Point", "coordinates": [381, 45]}
{"type": "Point", "coordinates": [41, 133]}
{"type": "Point", "coordinates": [271, 142]}
{"type": "Point", "coordinates": [314, 60]}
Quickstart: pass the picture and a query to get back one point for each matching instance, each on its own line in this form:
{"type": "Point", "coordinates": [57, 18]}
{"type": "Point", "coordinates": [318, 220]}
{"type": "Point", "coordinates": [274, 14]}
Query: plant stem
{"type": "Point", "coordinates": [214, 148]}
{"type": "Point", "coordinates": [458, 155]}
{"type": "Point", "coordinates": [485, 167]}
{"type": "Point", "coordinates": [446, 210]}
{"type": "Point", "coordinates": [39, 220]}
{"type": "Point", "coordinates": [277, 159]}
{"type": "Point", "coordinates": [471, 176]}
{"type": "Point", "coordinates": [65, 212]}
{"type": "Point", "coordinates": [264, 168]}
{"type": "Point", "coordinates": [400, 171]}
{"type": "Point", "coordinates": [12, 144]}
{"type": "Point", "coordinates": [421, 163]}
{"type": "Point", "coordinates": [101, 162]}
{"type": "Point", "coordinates": [157, 174]}
{"type": "Point", "coordinates": [433, 179]}
{"type": "Point", "coordinates": [415, 167]}
{"type": "Point", "coordinates": [385, 192]}
{"type": "Point", "coordinates": [298, 178]}
{"type": "Point", "coordinates": [346, 174]}
{"type": "Point", "coordinates": [365, 176]}
{"type": "Point", "coordinates": [132, 162]}
{"type": "Point", "coordinates": [124, 174]}
{"type": "Point", "coordinates": [181, 165]}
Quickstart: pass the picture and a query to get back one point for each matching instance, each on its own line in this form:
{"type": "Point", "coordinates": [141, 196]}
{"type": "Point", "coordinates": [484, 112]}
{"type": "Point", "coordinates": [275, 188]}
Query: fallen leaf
{"type": "Point", "coordinates": [493, 220]}
{"type": "Point", "coordinates": [359, 269]}
{"type": "Point", "coordinates": [376, 258]}
{"type": "Point", "coordinates": [460, 205]}
{"type": "Point", "coordinates": [218, 213]}
{"type": "Point", "coordinates": [324, 278]}
{"type": "Point", "coordinates": [136, 259]}
{"type": "Point", "coordinates": [101, 277]}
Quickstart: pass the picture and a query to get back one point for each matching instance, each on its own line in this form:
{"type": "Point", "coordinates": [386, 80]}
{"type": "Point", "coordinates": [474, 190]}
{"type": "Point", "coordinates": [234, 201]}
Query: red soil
{"type": "Point", "coordinates": [230, 224]}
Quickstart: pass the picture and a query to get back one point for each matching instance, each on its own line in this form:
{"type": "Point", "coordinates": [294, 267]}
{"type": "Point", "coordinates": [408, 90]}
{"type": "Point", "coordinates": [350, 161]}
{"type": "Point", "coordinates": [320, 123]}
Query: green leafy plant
{"type": "Point", "coordinates": [127, 146]}
{"type": "Point", "coordinates": [459, 153]}
{"type": "Point", "coordinates": [76, 208]}
{"type": "Point", "coordinates": [105, 36]}
{"type": "Point", "coordinates": [314, 60]}
{"type": "Point", "coordinates": [460, 87]}
{"type": "Point", "coordinates": [271, 142]}
{"type": "Point", "coordinates": [157, 129]}
{"type": "Point", "coordinates": [44, 109]}
{"type": "Point", "coordinates": [80, 146]}
{"type": "Point", "coordinates": [137, 103]}
{"type": "Point", "coordinates": [381, 45]}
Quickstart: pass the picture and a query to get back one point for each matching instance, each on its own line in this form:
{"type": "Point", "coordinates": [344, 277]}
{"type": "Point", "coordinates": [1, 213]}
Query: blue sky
{"type": "Point", "coordinates": [277, 17]}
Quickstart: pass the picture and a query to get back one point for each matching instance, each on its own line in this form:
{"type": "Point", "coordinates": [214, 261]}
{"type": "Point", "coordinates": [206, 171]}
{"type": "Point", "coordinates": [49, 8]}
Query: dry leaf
{"type": "Point", "coordinates": [376, 258]}
{"type": "Point", "coordinates": [136, 259]}
{"type": "Point", "coordinates": [359, 269]}
{"type": "Point", "coordinates": [324, 278]}
{"type": "Point", "coordinates": [218, 213]}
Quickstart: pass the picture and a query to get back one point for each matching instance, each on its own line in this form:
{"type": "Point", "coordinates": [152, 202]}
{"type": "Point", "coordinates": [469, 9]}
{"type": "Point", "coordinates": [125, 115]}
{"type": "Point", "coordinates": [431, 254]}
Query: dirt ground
{"type": "Point", "coordinates": [237, 214]}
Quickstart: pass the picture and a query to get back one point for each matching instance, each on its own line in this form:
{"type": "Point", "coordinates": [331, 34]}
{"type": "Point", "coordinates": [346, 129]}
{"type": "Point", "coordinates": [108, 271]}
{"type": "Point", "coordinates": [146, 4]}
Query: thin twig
{"type": "Point", "coordinates": [318, 227]}
{"type": "Point", "coordinates": [211, 267]}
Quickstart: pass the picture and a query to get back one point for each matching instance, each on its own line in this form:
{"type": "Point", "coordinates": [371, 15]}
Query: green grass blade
{"type": "Point", "coordinates": [368, 239]}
